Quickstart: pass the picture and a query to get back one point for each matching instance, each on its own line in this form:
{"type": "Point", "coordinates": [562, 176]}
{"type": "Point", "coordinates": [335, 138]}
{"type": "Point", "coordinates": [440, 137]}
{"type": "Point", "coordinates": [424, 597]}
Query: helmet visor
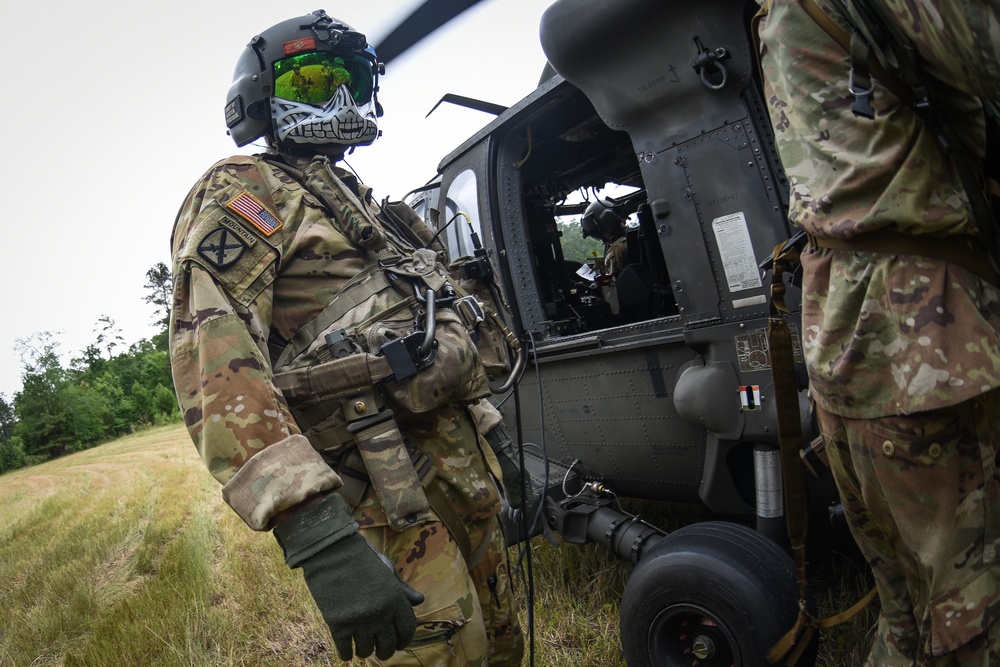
{"type": "Point", "coordinates": [314, 77]}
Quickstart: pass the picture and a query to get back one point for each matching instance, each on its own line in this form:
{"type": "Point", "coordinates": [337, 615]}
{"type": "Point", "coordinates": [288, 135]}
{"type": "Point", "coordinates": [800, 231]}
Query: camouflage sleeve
{"type": "Point", "coordinates": [616, 257]}
{"type": "Point", "coordinates": [239, 421]}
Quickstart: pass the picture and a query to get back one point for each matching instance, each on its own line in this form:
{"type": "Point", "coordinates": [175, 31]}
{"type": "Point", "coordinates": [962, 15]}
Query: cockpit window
{"type": "Point", "coordinates": [576, 246]}
{"type": "Point", "coordinates": [461, 214]}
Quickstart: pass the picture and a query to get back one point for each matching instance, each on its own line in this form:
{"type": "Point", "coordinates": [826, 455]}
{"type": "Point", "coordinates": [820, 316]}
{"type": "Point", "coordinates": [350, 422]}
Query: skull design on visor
{"type": "Point", "coordinates": [339, 121]}
{"type": "Point", "coordinates": [304, 82]}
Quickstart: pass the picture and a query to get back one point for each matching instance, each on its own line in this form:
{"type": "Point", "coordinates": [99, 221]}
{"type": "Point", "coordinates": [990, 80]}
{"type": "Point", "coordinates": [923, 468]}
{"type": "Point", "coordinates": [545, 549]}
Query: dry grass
{"type": "Point", "coordinates": [126, 555]}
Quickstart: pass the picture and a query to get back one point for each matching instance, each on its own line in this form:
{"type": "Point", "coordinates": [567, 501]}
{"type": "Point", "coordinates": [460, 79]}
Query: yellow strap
{"type": "Point", "coordinates": [791, 638]}
{"type": "Point", "coordinates": [848, 614]}
{"type": "Point", "coordinates": [789, 443]}
{"type": "Point", "coordinates": [791, 646]}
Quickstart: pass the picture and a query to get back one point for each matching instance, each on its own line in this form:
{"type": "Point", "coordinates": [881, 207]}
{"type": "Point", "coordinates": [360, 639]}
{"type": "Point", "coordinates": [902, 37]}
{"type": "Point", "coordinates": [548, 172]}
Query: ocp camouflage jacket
{"type": "Point", "coordinates": [256, 256]}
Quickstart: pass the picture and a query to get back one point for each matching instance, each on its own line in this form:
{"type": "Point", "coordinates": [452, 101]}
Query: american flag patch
{"type": "Point", "coordinates": [248, 208]}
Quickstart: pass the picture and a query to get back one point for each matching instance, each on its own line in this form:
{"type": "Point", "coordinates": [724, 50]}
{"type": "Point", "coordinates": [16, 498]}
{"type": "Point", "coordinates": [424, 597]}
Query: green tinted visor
{"type": "Point", "coordinates": [314, 77]}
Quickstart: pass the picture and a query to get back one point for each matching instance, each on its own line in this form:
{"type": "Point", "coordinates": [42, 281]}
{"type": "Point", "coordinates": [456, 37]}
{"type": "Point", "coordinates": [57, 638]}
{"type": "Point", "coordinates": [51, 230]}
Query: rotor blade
{"type": "Point", "coordinates": [468, 103]}
{"type": "Point", "coordinates": [424, 20]}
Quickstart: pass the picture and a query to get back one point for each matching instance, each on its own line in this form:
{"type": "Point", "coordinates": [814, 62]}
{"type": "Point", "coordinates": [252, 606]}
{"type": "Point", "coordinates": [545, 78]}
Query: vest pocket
{"type": "Point", "coordinates": [455, 374]}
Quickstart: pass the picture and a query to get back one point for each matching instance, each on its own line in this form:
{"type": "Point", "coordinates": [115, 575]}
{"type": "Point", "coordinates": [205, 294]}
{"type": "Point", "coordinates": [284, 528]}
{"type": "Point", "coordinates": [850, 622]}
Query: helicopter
{"type": "Point", "coordinates": [655, 384]}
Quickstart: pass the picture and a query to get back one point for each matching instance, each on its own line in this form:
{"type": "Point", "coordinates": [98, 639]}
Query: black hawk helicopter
{"type": "Point", "coordinates": [656, 384]}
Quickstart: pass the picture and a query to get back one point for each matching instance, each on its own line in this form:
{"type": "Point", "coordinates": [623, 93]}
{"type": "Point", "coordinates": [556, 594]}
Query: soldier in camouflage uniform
{"type": "Point", "coordinates": [263, 247]}
{"type": "Point", "coordinates": [602, 221]}
{"type": "Point", "coordinates": [902, 347]}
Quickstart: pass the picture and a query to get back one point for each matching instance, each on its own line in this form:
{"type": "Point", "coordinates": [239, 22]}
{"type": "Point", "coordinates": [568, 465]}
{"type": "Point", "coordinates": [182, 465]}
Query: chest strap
{"type": "Point", "coordinates": [955, 249]}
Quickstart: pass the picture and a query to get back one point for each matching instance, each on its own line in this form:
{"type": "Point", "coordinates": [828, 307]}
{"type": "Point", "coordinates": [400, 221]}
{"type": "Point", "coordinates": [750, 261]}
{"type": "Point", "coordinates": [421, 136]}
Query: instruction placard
{"type": "Point", "coordinates": [736, 251]}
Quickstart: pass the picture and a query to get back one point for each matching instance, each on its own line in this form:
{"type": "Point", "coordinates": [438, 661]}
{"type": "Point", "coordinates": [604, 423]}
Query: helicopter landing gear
{"type": "Point", "coordinates": [712, 594]}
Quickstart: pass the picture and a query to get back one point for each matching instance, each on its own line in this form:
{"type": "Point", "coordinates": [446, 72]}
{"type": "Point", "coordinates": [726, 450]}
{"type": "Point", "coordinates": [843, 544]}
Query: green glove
{"type": "Point", "coordinates": [510, 469]}
{"type": "Point", "coordinates": [361, 599]}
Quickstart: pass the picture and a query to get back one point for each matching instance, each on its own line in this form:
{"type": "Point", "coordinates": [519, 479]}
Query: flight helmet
{"type": "Point", "coordinates": [601, 220]}
{"type": "Point", "coordinates": [311, 80]}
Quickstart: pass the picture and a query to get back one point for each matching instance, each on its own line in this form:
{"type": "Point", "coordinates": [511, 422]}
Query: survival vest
{"type": "Point", "coordinates": [401, 338]}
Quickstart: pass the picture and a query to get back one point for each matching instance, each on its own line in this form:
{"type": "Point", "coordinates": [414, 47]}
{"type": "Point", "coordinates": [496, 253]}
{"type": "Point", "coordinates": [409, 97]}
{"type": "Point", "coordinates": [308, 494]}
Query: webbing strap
{"type": "Point", "coordinates": [955, 249]}
{"type": "Point", "coordinates": [792, 645]}
{"type": "Point", "coordinates": [839, 35]}
{"type": "Point", "coordinates": [779, 339]}
{"type": "Point", "coordinates": [359, 289]}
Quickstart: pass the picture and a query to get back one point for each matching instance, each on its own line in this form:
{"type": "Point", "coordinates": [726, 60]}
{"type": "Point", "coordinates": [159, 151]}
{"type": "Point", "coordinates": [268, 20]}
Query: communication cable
{"type": "Point", "coordinates": [526, 525]}
{"type": "Point", "coordinates": [529, 595]}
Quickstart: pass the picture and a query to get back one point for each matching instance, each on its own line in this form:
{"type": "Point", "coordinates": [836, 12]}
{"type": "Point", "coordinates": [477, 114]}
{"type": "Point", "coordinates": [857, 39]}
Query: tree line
{"type": "Point", "coordinates": [108, 391]}
{"type": "Point", "coordinates": [105, 392]}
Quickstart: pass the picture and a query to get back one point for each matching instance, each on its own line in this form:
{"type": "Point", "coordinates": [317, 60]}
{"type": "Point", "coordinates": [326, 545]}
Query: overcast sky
{"type": "Point", "coordinates": [110, 115]}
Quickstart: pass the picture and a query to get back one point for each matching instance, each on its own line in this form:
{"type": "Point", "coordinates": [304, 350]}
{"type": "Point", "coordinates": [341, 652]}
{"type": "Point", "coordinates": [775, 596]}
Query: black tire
{"type": "Point", "coordinates": [711, 594]}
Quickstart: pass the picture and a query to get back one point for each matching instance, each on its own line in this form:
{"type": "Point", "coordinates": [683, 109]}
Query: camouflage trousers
{"type": "Point", "coordinates": [922, 495]}
{"type": "Point", "coordinates": [468, 618]}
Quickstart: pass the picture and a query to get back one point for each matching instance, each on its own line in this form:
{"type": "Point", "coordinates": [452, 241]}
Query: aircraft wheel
{"type": "Point", "coordinates": [711, 594]}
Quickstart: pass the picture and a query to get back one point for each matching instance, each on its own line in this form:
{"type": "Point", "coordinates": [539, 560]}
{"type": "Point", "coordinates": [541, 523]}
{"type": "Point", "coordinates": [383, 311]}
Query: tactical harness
{"type": "Point", "coordinates": [397, 340]}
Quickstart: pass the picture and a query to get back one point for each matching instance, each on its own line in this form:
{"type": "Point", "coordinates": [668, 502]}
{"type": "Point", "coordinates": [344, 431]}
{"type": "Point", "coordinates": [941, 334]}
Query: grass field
{"type": "Point", "coordinates": [126, 555]}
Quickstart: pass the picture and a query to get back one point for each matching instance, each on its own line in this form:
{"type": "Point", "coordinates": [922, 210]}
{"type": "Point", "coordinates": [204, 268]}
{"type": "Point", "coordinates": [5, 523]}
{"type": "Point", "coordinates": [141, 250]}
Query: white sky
{"type": "Point", "coordinates": [111, 111]}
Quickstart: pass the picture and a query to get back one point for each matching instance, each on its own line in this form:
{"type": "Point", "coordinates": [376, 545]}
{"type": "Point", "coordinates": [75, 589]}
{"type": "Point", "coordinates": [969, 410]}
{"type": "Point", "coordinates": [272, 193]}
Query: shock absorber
{"type": "Point", "coordinates": [770, 501]}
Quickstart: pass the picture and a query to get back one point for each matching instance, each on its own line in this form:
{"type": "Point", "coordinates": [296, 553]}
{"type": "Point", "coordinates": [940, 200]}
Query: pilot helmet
{"type": "Point", "coordinates": [600, 220]}
{"type": "Point", "coordinates": [311, 80]}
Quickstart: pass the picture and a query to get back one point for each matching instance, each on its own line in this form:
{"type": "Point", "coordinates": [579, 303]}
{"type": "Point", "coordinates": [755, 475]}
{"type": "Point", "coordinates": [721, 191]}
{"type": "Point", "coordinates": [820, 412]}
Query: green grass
{"type": "Point", "coordinates": [126, 555]}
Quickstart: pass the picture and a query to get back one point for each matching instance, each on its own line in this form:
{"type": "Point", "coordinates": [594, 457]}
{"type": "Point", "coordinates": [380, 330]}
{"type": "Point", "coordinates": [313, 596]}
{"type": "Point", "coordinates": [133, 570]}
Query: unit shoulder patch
{"type": "Point", "coordinates": [239, 230]}
{"type": "Point", "coordinates": [253, 211]}
{"type": "Point", "coordinates": [222, 248]}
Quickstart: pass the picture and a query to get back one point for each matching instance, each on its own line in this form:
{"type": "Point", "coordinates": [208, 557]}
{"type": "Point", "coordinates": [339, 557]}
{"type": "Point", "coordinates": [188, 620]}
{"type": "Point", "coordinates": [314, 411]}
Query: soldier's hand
{"type": "Point", "coordinates": [362, 601]}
